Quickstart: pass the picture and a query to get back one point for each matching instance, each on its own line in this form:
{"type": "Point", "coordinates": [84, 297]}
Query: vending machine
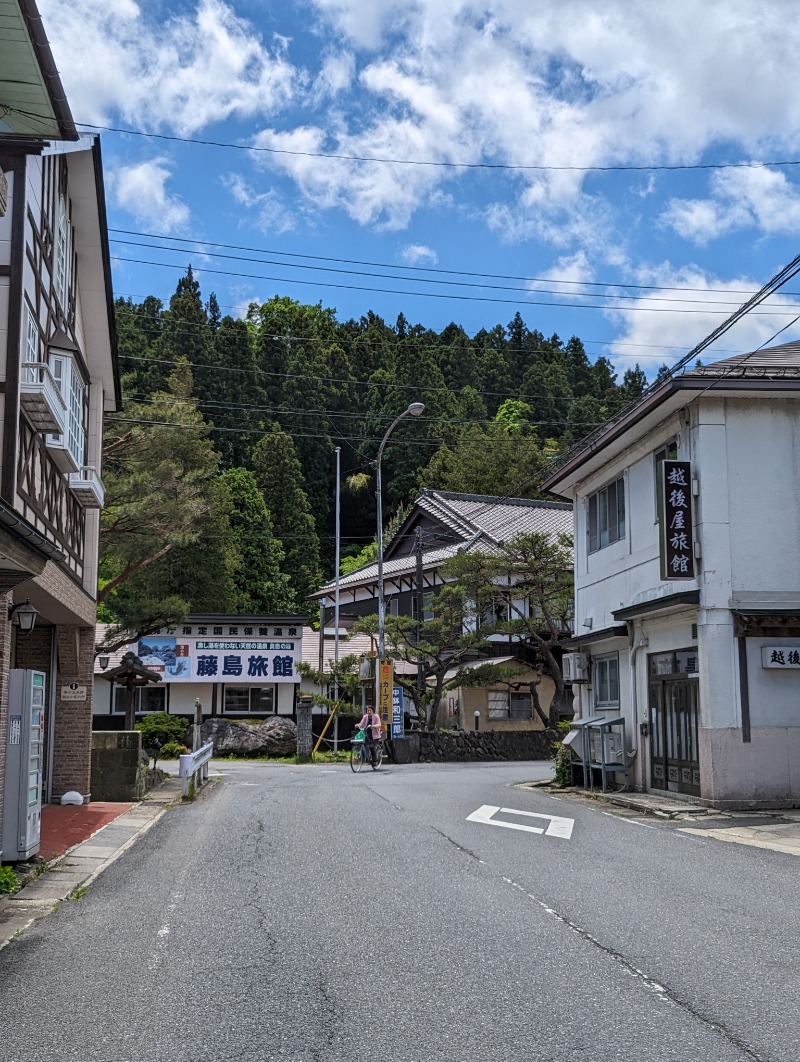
{"type": "Point", "coordinates": [22, 795]}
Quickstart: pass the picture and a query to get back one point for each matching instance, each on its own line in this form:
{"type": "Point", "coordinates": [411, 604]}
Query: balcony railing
{"type": "Point", "coordinates": [87, 487]}
{"type": "Point", "coordinates": [41, 398]}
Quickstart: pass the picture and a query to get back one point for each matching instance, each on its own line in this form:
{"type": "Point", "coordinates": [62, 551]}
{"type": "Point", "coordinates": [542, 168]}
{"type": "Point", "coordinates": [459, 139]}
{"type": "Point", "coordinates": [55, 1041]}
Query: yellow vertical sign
{"type": "Point", "coordinates": [385, 683]}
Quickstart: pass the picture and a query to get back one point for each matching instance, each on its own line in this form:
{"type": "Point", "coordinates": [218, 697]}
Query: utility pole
{"type": "Point", "coordinates": [420, 597]}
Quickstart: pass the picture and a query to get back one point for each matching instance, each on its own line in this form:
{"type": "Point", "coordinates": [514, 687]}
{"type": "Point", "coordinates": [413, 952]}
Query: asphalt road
{"type": "Point", "coordinates": [313, 915]}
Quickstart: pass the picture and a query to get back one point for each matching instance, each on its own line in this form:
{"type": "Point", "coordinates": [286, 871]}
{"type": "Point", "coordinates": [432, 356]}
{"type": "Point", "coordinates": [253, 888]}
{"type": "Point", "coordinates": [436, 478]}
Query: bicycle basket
{"type": "Point", "coordinates": [358, 736]}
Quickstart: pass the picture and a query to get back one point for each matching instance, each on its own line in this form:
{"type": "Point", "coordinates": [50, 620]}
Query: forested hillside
{"type": "Point", "coordinates": [274, 394]}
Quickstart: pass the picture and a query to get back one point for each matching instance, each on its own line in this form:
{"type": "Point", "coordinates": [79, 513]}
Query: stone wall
{"type": "Point", "coordinates": [484, 746]}
{"type": "Point", "coordinates": [119, 769]}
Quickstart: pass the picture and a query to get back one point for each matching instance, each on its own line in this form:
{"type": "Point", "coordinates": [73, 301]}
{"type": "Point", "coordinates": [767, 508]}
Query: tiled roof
{"type": "Point", "coordinates": [499, 518]}
{"type": "Point", "coordinates": [479, 520]}
{"type": "Point", "coordinates": [781, 362]}
{"type": "Point", "coordinates": [394, 566]}
{"type": "Point", "coordinates": [115, 658]}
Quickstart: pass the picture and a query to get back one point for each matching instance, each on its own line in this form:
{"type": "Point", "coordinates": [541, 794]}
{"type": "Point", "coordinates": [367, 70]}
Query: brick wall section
{"type": "Point", "coordinates": [5, 656]}
{"type": "Point", "coordinates": [72, 755]}
{"type": "Point", "coordinates": [32, 651]}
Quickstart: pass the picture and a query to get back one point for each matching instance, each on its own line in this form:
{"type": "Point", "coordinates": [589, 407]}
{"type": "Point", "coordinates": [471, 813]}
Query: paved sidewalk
{"type": "Point", "coordinates": [778, 830]}
{"type": "Point", "coordinates": [105, 840]}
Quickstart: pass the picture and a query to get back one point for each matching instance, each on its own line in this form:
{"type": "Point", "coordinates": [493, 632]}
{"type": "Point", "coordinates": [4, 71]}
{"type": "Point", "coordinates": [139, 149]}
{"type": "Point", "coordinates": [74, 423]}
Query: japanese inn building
{"type": "Point", "coordinates": [687, 580]}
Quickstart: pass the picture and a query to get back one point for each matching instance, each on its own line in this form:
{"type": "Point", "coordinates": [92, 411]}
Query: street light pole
{"type": "Point", "coordinates": [414, 409]}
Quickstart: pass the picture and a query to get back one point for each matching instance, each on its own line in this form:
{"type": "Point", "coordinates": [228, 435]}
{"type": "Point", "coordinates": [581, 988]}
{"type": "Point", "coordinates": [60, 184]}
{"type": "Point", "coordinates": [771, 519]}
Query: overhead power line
{"type": "Point", "coordinates": [445, 164]}
{"type": "Point", "coordinates": [202, 245]}
{"type": "Point", "coordinates": [436, 280]}
{"type": "Point", "coordinates": [431, 295]}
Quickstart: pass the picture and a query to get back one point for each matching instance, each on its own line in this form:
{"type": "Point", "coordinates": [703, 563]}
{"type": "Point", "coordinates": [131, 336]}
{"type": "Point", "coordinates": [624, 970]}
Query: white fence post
{"type": "Point", "coordinates": [192, 764]}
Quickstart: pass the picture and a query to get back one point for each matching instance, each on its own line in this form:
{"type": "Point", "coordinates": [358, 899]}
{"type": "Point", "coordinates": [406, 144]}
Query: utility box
{"type": "Point", "coordinates": [22, 794]}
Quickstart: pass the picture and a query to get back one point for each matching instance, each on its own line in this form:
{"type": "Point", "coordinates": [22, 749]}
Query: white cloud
{"type": "Point", "coordinates": [570, 276]}
{"type": "Point", "coordinates": [755, 197]}
{"type": "Point", "coordinates": [417, 253]}
{"type": "Point", "coordinates": [335, 76]}
{"type": "Point", "coordinates": [452, 81]}
{"type": "Point", "coordinates": [616, 83]}
{"type": "Point", "coordinates": [272, 215]}
{"type": "Point", "coordinates": [684, 306]}
{"type": "Point", "coordinates": [140, 189]}
{"type": "Point", "coordinates": [185, 73]}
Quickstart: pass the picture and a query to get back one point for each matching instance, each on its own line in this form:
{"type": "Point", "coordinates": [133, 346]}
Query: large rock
{"type": "Point", "coordinates": [276, 736]}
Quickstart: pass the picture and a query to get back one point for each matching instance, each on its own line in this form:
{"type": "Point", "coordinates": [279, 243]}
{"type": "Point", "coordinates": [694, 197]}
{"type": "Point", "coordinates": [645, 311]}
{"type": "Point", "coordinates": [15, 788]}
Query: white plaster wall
{"type": "Point", "coordinates": [774, 693]}
{"type": "Point", "coordinates": [763, 464]}
{"type": "Point", "coordinates": [182, 697]}
{"type": "Point", "coordinates": [628, 571]}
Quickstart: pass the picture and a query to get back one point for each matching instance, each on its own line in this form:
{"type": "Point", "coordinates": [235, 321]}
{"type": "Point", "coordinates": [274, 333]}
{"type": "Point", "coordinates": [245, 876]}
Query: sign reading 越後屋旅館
{"type": "Point", "coordinates": [244, 660]}
{"type": "Point", "coordinates": [781, 657]}
{"type": "Point", "coordinates": [676, 532]}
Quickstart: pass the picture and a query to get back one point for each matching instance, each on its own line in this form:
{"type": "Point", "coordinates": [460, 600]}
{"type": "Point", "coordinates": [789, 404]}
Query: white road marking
{"type": "Point", "coordinates": [633, 822]}
{"type": "Point", "coordinates": [556, 825]}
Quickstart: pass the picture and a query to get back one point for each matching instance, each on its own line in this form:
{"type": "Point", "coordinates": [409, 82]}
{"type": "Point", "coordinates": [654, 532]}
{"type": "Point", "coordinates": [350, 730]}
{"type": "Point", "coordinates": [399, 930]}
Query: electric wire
{"type": "Point", "coordinates": [445, 164]}
{"type": "Point", "coordinates": [203, 244]}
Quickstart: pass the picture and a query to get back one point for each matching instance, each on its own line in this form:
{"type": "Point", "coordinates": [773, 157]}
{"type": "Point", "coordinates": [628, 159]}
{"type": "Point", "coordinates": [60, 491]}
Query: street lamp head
{"type": "Point", "coordinates": [416, 409]}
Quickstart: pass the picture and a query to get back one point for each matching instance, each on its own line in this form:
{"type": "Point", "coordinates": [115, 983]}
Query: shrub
{"type": "Point", "coordinates": [163, 727]}
{"type": "Point", "coordinates": [563, 772]}
{"type": "Point", "coordinates": [171, 750]}
{"type": "Point", "coordinates": [8, 881]}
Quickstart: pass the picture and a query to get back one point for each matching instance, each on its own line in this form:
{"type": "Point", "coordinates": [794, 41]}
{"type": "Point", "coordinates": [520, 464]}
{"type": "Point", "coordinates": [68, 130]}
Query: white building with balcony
{"type": "Point", "coordinates": [58, 375]}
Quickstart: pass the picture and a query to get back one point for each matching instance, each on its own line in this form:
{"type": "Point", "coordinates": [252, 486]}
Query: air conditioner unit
{"type": "Point", "coordinates": [575, 667]}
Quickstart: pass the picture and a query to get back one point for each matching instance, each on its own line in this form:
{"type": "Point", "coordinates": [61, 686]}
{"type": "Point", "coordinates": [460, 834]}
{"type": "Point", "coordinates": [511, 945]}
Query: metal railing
{"type": "Point", "coordinates": [192, 765]}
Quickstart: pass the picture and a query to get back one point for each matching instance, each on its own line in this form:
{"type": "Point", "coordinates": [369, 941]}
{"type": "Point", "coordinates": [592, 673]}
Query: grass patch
{"type": "Point", "coordinates": [79, 892]}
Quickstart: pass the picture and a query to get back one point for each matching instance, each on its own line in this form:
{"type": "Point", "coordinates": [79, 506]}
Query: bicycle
{"type": "Point", "coordinates": [360, 752]}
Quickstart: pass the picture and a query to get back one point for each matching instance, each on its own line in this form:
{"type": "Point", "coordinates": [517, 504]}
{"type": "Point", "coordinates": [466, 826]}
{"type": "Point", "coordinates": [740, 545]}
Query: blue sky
{"type": "Point", "coordinates": [532, 144]}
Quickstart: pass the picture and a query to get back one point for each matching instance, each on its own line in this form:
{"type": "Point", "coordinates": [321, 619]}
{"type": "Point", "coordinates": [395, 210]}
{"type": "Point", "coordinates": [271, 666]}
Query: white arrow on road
{"type": "Point", "coordinates": [556, 826]}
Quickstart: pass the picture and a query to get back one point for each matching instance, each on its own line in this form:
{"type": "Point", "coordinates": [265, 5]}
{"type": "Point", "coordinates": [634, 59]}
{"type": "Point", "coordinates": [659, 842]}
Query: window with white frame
{"type": "Point", "coordinates": [246, 700]}
{"type": "Point", "coordinates": [606, 681]}
{"type": "Point", "coordinates": [31, 346]}
{"type": "Point", "coordinates": [607, 515]}
{"type": "Point", "coordinates": [146, 699]}
{"type": "Point", "coordinates": [62, 255]}
{"type": "Point", "coordinates": [73, 391]}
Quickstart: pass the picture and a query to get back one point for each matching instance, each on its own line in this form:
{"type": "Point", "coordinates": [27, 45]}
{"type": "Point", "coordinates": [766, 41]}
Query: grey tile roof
{"type": "Point", "coordinates": [479, 520]}
{"type": "Point", "coordinates": [781, 362]}
{"type": "Point", "coordinates": [498, 518]}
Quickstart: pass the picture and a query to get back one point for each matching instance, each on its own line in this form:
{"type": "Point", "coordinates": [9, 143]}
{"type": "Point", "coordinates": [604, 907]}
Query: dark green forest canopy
{"type": "Point", "coordinates": [281, 389]}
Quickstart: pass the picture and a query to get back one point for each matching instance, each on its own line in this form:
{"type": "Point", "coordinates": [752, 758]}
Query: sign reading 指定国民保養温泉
{"type": "Point", "coordinates": [676, 534]}
{"type": "Point", "coordinates": [184, 659]}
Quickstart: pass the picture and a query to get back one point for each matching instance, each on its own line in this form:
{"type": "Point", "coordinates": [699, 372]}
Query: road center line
{"type": "Point", "coordinates": [661, 992]}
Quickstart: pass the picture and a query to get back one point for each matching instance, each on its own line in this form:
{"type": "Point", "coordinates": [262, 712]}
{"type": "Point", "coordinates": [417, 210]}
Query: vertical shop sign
{"type": "Point", "coordinates": [385, 684]}
{"type": "Point", "coordinates": [677, 539]}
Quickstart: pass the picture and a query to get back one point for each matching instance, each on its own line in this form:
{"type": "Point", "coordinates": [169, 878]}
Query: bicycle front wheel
{"type": "Point", "coordinates": [377, 755]}
{"type": "Point", "coordinates": [356, 757]}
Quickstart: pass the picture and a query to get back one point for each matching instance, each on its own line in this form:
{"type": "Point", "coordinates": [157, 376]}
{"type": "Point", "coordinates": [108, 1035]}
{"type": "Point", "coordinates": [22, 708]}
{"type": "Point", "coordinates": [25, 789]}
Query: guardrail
{"type": "Point", "coordinates": [193, 764]}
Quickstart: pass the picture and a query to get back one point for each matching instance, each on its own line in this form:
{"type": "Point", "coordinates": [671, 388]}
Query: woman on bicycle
{"type": "Point", "coordinates": [370, 723]}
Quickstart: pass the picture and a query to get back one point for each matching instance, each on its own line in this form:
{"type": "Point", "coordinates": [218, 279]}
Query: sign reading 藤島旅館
{"type": "Point", "coordinates": [251, 660]}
